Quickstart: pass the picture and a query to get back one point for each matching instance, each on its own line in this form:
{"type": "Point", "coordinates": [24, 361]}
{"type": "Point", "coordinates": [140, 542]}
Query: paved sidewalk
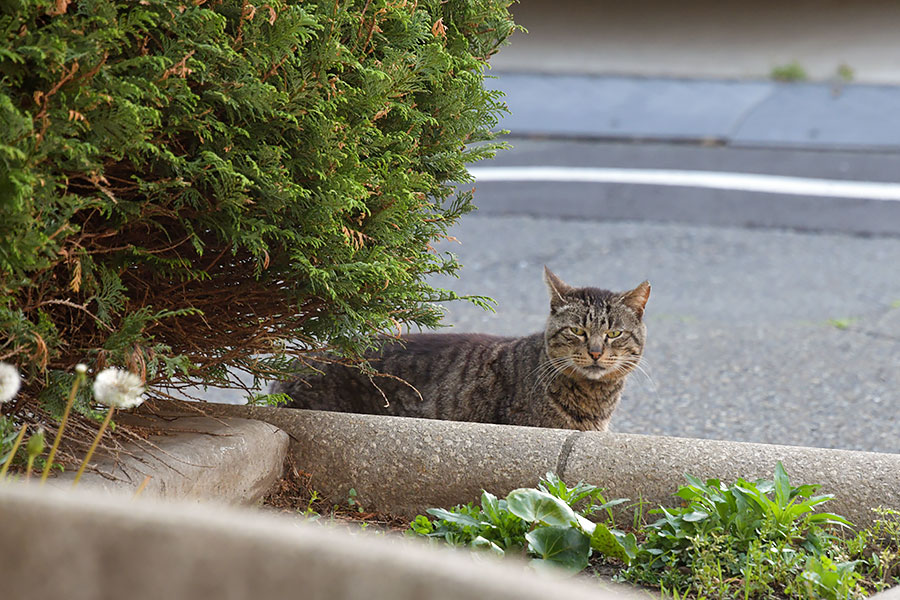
{"type": "Point", "coordinates": [820, 116]}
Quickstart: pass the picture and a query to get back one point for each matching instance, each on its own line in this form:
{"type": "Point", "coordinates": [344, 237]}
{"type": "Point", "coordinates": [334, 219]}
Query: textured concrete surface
{"type": "Point", "coordinates": [891, 594]}
{"type": "Point", "coordinates": [87, 546]}
{"type": "Point", "coordinates": [651, 468]}
{"type": "Point", "coordinates": [233, 461]}
{"type": "Point", "coordinates": [823, 116]}
{"type": "Point", "coordinates": [404, 466]}
{"type": "Point", "coordinates": [626, 107]}
{"type": "Point", "coordinates": [818, 116]}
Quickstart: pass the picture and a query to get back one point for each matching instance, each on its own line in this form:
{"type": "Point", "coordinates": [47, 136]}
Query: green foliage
{"type": "Point", "coordinates": [353, 502]}
{"type": "Point", "coordinates": [792, 71]}
{"type": "Point", "coordinates": [842, 324]}
{"type": "Point", "coordinates": [268, 399]}
{"type": "Point", "coordinates": [184, 186]}
{"type": "Point", "coordinates": [760, 539]}
{"type": "Point", "coordinates": [489, 525]}
{"type": "Point", "coordinates": [8, 432]}
{"type": "Point", "coordinates": [547, 523]}
{"type": "Point", "coordinates": [566, 546]}
{"type": "Point", "coordinates": [833, 581]}
{"type": "Point", "coordinates": [750, 538]}
{"type": "Point", "coordinates": [845, 73]}
{"type": "Point", "coordinates": [875, 550]}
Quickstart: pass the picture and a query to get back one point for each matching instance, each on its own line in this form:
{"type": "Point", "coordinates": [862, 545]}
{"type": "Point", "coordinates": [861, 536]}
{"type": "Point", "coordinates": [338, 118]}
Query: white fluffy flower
{"type": "Point", "coordinates": [9, 382]}
{"type": "Point", "coordinates": [118, 388]}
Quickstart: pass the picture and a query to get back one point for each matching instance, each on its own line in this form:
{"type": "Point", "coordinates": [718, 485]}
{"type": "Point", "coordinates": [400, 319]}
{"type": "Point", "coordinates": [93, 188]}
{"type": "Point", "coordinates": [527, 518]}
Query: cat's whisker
{"type": "Point", "coordinates": [547, 372]}
{"type": "Point", "coordinates": [542, 369]}
{"type": "Point", "coordinates": [636, 364]}
{"type": "Point", "coordinates": [644, 362]}
{"type": "Point", "coordinates": [549, 364]}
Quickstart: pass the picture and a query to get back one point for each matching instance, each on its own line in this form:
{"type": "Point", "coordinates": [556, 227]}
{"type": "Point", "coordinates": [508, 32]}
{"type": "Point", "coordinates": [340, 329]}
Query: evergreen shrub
{"type": "Point", "coordinates": [188, 185]}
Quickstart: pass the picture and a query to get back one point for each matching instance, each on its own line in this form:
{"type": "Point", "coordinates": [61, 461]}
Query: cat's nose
{"type": "Point", "coordinates": [595, 355]}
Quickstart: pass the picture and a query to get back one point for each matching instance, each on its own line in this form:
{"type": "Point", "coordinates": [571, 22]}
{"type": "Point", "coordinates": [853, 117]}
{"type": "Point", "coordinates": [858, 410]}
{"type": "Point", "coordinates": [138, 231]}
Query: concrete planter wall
{"type": "Point", "coordinates": [231, 461]}
{"type": "Point", "coordinates": [404, 466]}
{"type": "Point", "coordinates": [85, 545]}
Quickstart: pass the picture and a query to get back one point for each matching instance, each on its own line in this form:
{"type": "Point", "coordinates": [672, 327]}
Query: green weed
{"type": "Point", "coordinates": [845, 73]}
{"type": "Point", "coordinates": [751, 539]}
{"type": "Point", "coordinates": [842, 324]}
{"type": "Point", "coordinates": [548, 523]}
{"type": "Point", "coordinates": [792, 71]}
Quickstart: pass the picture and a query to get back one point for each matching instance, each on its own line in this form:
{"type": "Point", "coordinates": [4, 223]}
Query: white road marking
{"type": "Point", "coordinates": [748, 182]}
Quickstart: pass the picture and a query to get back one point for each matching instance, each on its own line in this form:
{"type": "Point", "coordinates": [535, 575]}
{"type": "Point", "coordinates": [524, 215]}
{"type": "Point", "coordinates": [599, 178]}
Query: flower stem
{"type": "Point", "coordinates": [79, 376]}
{"type": "Point", "coordinates": [90, 452]}
{"type": "Point", "coordinates": [12, 453]}
{"type": "Point", "coordinates": [141, 487]}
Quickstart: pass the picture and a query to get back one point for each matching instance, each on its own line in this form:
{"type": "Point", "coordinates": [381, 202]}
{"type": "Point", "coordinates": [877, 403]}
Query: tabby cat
{"type": "Point", "coordinates": [570, 375]}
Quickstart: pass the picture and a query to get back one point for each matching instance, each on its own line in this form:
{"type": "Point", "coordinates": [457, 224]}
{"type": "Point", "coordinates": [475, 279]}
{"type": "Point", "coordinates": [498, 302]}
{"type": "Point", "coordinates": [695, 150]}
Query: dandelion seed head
{"type": "Point", "coordinates": [9, 382]}
{"type": "Point", "coordinates": [81, 368]}
{"type": "Point", "coordinates": [118, 388]}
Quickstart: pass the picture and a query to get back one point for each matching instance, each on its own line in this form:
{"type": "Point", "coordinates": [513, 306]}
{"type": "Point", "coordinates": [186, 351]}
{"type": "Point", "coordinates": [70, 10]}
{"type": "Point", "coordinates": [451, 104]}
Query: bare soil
{"type": "Point", "coordinates": [295, 495]}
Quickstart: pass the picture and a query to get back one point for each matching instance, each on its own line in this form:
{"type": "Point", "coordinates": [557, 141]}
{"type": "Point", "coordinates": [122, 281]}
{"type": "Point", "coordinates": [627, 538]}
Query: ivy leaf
{"type": "Point", "coordinates": [563, 546]}
{"type": "Point", "coordinates": [490, 505]}
{"type": "Point", "coordinates": [536, 506]}
{"type": "Point", "coordinates": [446, 515]}
{"type": "Point", "coordinates": [482, 543]}
{"type": "Point", "coordinates": [609, 544]}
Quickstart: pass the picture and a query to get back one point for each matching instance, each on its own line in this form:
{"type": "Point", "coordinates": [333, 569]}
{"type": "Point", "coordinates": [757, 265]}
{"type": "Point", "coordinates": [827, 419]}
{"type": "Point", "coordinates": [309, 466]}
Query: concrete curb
{"type": "Point", "coordinates": [404, 466]}
{"type": "Point", "coordinates": [82, 545]}
{"type": "Point", "coordinates": [233, 461]}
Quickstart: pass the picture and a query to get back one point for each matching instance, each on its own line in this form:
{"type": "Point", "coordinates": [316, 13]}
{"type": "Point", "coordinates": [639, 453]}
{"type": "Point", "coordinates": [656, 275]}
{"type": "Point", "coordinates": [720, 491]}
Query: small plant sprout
{"type": "Point", "coordinates": [116, 389]}
{"type": "Point", "coordinates": [34, 448]}
{"type": "Point", "coordinates": [140, 488]}
{"type": "Point", "coordinates": [80, 374]}
{"type": "Point", "coordinates": [845, 72]}
{"type": "Point", "coordinates": [12, 453]}
{"type": "Point", "coordinates": [792, 71]}
{"type": "Point", "coordinates": [842, 324]}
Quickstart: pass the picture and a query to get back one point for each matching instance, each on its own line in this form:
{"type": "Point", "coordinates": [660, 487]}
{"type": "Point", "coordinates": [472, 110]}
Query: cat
{"type": "Point", "coordinates": [569, 376]}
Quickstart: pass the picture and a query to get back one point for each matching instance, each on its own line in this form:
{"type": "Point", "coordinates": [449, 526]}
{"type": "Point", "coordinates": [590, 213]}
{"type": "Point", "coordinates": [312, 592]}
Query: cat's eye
{"type": "Point", "coordinates": [613, 334]}
{"type": "Point", "coordinates": [577, 331]}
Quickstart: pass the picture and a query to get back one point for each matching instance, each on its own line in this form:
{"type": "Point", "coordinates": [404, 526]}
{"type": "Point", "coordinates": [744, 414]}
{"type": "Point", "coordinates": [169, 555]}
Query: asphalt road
{"type": "Point", "coordinates": [781, 207]}
{"type": "Point", "coordinates": [755, 334]}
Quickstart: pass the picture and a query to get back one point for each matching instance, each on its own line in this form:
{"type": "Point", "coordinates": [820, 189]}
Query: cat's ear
{"type": "Point", "coordinates": [637, 298]}
{"type": "Point", "coordinates": [557, 288]}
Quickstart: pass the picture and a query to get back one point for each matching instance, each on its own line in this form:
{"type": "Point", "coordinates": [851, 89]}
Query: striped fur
{"type": "Point", "coordinates": [569, 376]}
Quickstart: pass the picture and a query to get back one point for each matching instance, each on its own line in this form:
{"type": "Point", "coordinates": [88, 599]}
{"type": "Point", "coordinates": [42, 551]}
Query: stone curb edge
{"type": "Point", "coordinates": [227, 460]}
{"type": "Point", "coordinates": [405, 465]}
{"type": "Point", "coordinates": [86, 545]}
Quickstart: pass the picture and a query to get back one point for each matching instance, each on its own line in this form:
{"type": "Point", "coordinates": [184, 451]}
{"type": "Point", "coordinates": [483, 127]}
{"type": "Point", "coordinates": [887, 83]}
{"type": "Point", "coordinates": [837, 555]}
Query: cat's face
{"type": "Point", "coordinates": [594, 333]}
